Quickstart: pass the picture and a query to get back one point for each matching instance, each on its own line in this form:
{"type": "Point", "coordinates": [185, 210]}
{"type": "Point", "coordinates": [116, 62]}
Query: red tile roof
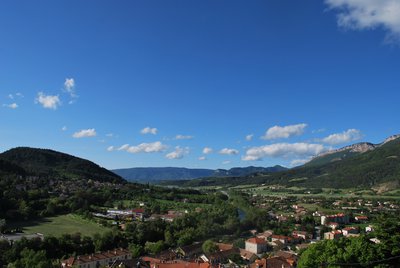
{"type": "Point", "coordinates": [256, 240]}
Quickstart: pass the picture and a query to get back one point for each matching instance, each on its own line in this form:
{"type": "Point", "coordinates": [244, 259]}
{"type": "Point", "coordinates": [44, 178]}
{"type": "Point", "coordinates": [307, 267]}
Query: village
{"type": "Point", "coordinates": [259, 248]}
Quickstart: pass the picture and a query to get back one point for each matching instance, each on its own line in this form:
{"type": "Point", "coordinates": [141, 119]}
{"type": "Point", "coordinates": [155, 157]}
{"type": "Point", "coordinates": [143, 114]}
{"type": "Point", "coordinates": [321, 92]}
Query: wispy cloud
{"type": "Point", "coordinates": [183, 137]}
{"type": "Point", "coordinates": [226, 162]}
{"type": "Point", "coordinates": [249, 137]}
{"type": "Point", "coordinates": [344, 137]}
{"type": "Point", "coordinates": [369, 14]}
{"type": "Point", "coordinates": [64, 128]}
{"type": "Point", "coordinates": [123, 147]}
{"type": "Point", "coordinates": [229, 151]}
{"type": "Point", "coordinates": [11, 106]}
{"type": "Point", "coordinates": [283, 150]}
{"type": "Point", "coordinates": [14, 96]}
{"type": "Point", "coordinates": [202, 158]}
{"type": "Point", "coordinates": [69, 87]}
{"type": "Point", "coordinates": [178, 153]}
{"type": "Point", "coordinates": [48, 101]}
{"type": "Point", "coordinates": [84, 133]}
{"type": "Point", "coordinates": [299, 162]}
{"type": "Point", "coordinates": [207, 150]}
{"type": "Point", "coordinates": [149, 130]}
{"type": "Point", "coordinates": [110, 148]}
{"type": "Point", "coordinates": [278, 132]}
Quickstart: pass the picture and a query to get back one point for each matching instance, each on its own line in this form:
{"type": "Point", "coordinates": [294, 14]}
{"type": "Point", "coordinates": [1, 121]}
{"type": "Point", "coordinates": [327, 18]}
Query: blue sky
{"type": "Point", "coordinates": [211, 84]}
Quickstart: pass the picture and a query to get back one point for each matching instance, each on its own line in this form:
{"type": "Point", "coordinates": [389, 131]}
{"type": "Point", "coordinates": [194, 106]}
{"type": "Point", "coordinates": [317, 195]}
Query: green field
{"type": "Point", "coordinates": [70, 223]}
{"type": "Point", "coordinates": [326, 192]}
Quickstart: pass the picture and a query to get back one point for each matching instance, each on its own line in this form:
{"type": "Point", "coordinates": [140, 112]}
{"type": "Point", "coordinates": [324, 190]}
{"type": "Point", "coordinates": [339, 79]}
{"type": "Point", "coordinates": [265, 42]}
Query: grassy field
{"type": "Point", "coordinates": [329, 193]}
{"type": "Point", "coordinates": [59, 225]}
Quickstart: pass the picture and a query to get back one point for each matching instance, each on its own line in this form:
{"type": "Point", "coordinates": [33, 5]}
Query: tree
{"type": "Point", "coordinates": [154, 247]}
{"type": "Point", "coordinates": [136, 250]}
{"type": "Point", "coordinates": [30, 258]}
{"type": "Point", "coordinates": [209, 247]}
{"type": "Point", "coordinates": [2, 225]}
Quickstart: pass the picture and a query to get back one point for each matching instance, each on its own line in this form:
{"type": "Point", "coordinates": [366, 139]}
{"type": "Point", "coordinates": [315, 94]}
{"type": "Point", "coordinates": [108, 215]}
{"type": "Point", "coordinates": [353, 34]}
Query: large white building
{"type": "Point", "coordinates": [256, 245]}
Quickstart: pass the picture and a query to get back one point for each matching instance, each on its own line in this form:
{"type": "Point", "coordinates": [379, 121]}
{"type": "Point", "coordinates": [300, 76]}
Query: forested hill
{"type": "Point", "coordinates": [49, 163]}
{"type": "Point", "coordinates": [369, 169]}
{"type": "Point", "coordinates": [154, 174]}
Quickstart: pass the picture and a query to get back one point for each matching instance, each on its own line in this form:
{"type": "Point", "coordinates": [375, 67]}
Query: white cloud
{"type": "Point", "coordinates": [299, 162]}
{"type": "Point", "coordinates": [123, 147]}
{"type": "Point", "coordinates": [18, 94]}
{"type": "Point", "coordinates": [249, 137]}
{"type": "Point", "coordinates": [202, 158]}
{"type": "Point", "coordinates": [110, 148]}
{"type": "Point", "coordinates": [277, 132]}
{"type": "Point", "coordinates": [344, 137]}
{"type": "Point", "coordinates": [369, 14]}
{"type": "Point", "coordinates": [48, 101]}
{"type": "Point", "coordinates": [178, 153]}
{"type": "Point", "coordinates": [149, 130]}
{"type": "Point", "coordinates": [153, 147]}
{"type": "Point", "coordinates": [283, 150]}
{"type": "Point", "coordinates": [11, 106]}
{"type": "Point", "coordinates": [226, 162]}
{"type": "Point", "coordinates": [229, 151]}
{"type": "Point", "coordinates": [10, 96]}
{"type": "Point", "coordinates": [110, 135]}
{"type": "Point", "coordinates": [183, 137]}
{"type": "Point", "coordinates": [64, 128]}
{"type": "Point", "coordinates": [69, 86]}
{"type": "Point", "coordinates": [207, 150]}
{"type": "Point", "coordinates": [91, 132]}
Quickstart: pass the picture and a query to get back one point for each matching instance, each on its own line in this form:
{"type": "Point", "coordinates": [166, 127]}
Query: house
{"type": "Point", "coordinates": [157, 263]}
{"type": "Point", "coordinates": [349, 230]}
{"type": "Point", "coordinates": [282, 238]}
{"type": "Point", "coordinates": [301, 234]}
{"type": "Point", "coordinates": [98, 259]}
{"type": "Point", "coordinates": [138, 213]}
{"type": "Point", "coordinates": [361, 218]}
{"type": "Point", "coordinates": [274, 262]}
{"type": "Point", "coordinates": [338, 218]}
{"type": "Point", "coordinates": [247, 255]}
{"type": "Point", "coordinates": [256, 245]}
{"type": "Point", "coordinates": [333, 225]}
{"type": "Point", "coordinates": [224, 247]}
{"type": "Point", "coordinates": [265, 235]}
{"type": "Point", "coordinates": [219, 256]}
{"type": "Point", "coordinates": [333, 235]}
{"type": "Point", "coordinates": [189, 251]}
{"type": "Point", "coordinates": [302, 246]}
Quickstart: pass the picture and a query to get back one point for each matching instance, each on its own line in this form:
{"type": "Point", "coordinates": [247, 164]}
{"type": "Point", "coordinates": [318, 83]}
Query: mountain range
{"type": "Point", "coordinates": [156, 174]}
{"type": "Point", "coordinates": [362, 165]}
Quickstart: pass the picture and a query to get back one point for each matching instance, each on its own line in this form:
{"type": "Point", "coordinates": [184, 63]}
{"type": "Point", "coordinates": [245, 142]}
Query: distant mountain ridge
{"type": "Point", "coordinates": [153, 174]}
{"type": "Point", "coordinates": [49, 163]}
{"type": "Point", "coordinates": [356, 166]}
{"type": "Point", "coordinates": [348, 151]}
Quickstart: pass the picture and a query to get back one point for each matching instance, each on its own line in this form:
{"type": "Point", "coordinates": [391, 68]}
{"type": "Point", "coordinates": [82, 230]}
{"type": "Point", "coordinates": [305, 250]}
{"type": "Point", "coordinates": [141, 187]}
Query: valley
{"type": "Point", "coordinates": [57, 213]}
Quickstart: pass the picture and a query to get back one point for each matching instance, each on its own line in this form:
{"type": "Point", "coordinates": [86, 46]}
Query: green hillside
{"type": "Point", "coordinates": [363, 170]}
{"type": "Point", "coordinates": [49, 163]}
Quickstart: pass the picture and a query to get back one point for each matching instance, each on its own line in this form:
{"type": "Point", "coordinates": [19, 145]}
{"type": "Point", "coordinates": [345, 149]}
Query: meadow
{"type": "Point", "coordinates": [63, 224]}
